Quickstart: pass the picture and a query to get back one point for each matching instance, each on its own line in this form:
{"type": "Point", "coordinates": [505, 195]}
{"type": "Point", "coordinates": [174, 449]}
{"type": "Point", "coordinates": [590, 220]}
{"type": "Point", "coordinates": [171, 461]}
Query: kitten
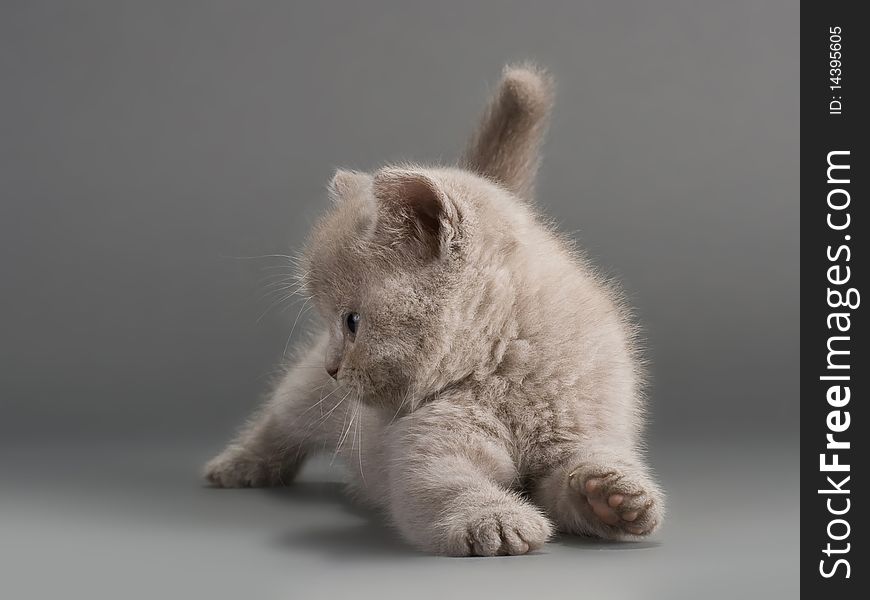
{"type": "Point", "coordinates": [481, 379]}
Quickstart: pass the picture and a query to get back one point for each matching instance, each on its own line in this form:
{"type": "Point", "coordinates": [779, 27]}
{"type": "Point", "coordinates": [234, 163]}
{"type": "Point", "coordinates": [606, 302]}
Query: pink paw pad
{"type": "Point", "coordinates": [616, 500]}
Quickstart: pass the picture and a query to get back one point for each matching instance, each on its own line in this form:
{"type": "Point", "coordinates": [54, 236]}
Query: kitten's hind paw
{"type": "Point", "coordinates": [623, 501]}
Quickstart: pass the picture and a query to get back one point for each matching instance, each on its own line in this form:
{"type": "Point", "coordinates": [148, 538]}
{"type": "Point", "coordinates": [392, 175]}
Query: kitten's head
{"type": "Point", "coordinates": [407, 268]}
{"type": "Point", "coordinates": [382, 267]}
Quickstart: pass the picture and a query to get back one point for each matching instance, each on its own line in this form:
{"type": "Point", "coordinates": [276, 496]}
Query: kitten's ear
{"type": "Point", "coordinates": [506, 145]}
{"type": "Point", "coordinates": [347, 183]}
{"type": "Point", "coordinates": [413, 207]}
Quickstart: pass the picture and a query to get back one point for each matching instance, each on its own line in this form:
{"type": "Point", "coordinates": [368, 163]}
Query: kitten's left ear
{"type": "Point", "coordinates": [413, 206]}
{"type": "Point", "coordinates": [347, 183]}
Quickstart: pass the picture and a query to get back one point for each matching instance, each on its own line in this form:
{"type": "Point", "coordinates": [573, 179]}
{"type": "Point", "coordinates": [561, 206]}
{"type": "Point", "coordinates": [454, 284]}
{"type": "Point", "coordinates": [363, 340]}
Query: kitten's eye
{"type": "Point", "coordinates": [352, 321]}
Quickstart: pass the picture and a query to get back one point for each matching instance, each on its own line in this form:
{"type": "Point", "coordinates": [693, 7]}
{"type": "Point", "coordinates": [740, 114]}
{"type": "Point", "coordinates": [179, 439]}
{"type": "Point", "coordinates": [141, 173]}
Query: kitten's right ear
{"type": "Point", "coordinates": [347, 183]}
{"type": "Point", "coordinates": [414, 210]}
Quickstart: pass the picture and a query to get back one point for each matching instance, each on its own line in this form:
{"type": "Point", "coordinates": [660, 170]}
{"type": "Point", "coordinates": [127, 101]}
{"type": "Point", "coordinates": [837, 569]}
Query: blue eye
{"type": "Point", "coordinates": [352, 321]}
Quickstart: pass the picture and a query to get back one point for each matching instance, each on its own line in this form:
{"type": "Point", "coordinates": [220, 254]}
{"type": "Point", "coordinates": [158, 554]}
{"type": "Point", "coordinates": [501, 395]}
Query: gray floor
{"type": "Point", "coordinates": [132, 521]}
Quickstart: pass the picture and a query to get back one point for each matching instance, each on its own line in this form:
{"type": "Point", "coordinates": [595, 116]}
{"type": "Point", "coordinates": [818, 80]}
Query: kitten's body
{"type": "Point", "coordinates": [492, 388]}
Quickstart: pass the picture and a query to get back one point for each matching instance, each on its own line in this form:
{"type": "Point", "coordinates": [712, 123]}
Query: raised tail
{"type": "Point", "coordinates": [506, 145]}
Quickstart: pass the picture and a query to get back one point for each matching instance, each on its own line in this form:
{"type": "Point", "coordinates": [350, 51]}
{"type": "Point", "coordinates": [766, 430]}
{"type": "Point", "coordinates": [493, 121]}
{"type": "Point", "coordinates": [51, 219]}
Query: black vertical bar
{"type": "Point", "coordinates": [834, 264]}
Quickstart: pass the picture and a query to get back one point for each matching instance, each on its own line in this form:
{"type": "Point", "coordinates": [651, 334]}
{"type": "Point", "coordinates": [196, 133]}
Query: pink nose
{"type": "Point", "coordinates": [333, 371]}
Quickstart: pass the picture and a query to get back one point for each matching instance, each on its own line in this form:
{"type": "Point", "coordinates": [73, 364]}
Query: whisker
{"type": "Point", "coordinates": [322, 419]}
{"type": "Point", "coordinates": [346, 432]}
{"type": "Point", "coordinates": [320, 402]}
{"type": "Point", "coordinates": [307, 299]}
{"type": "Point", "coordinates": [332, 410]}
{"type": "Point", "coordinates": [286, 276]}
{"type": "Point", "coordinates": [284, 282]}
{"type": "Point", "coordinates": [359, 428]}
{"type": "Point", "coordinates": [268, 308]}
{"type": "Point", "coordinates": [261, 256]}
{"type": "Point", "coordinates": [276, 303]}
{"type": "Point", "coordinates": [285, 293]}
{"type": "Point", "coordinates": [292, 329]}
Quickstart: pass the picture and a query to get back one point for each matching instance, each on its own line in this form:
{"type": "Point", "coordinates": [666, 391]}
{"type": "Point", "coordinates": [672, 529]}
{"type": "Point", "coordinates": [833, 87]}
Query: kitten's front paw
{"type": "Point", "coordinates": [498, 530]}
{"type": "Point", "coordinates": [622, 500]}
{"type": "Point", "coordinates": [236, 468]}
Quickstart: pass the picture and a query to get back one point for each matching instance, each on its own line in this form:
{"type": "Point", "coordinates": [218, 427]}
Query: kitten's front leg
{"type": "Point", "coordinates": [271, 448]}
{"type": "Point", "coordinates": [450, 485]}
{"type": "Point", "coordinates": [606, 493]}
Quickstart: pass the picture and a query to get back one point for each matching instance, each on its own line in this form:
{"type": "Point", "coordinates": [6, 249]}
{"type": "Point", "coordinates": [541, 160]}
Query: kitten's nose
{"type": "Point", "coordinates": [333, 371]}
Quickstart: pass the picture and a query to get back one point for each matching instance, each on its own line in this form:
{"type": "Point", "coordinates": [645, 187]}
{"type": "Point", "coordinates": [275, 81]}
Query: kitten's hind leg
{"type": "Point", "coordinates": [605, 494]}
{"type": "Point", "coordinates": [271, 448]}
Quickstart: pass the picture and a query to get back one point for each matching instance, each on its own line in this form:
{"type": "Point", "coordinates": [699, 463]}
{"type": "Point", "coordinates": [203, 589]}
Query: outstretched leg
{"type": "Point", "coordinates": [300, 414]}
{"type": "Point", "coordinates": [450, 484]}
{"type": "Point", "coordinates": [603, 492]}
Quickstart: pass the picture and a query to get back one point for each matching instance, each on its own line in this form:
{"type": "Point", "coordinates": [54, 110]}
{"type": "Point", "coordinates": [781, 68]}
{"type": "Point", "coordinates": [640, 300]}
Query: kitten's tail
{"type": "Point", "coordinates": [506, 145]}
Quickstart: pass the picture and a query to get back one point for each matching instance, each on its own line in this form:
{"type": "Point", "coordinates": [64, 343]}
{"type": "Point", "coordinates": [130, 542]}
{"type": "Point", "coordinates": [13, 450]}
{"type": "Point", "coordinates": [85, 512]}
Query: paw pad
{"type": "Point", "coordinates": [617, 499]}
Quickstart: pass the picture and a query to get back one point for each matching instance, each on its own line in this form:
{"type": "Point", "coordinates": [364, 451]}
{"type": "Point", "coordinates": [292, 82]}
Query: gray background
{"type": "Point", "coordinates": [145, 147]}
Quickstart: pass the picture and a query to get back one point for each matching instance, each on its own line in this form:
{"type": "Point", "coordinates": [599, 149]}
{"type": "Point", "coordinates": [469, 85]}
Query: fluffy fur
{"type": "Point", "coordinates": [491, 393]}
